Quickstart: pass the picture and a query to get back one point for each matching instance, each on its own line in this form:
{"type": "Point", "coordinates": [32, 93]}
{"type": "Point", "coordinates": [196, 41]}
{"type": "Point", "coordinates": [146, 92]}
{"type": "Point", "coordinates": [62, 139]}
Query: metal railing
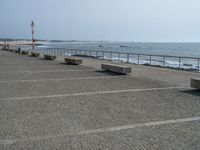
{"type": "Point", "coordinates": [188, 63]}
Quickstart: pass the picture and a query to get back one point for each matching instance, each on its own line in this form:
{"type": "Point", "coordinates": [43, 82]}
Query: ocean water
{"type": "Point", "coordinates": [169, 49]}
{"type": "Point", "coordinates": [172, 49]}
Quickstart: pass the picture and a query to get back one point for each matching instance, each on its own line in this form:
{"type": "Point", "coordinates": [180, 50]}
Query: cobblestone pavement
{"type": "Point", "coordinates": [49, 105]}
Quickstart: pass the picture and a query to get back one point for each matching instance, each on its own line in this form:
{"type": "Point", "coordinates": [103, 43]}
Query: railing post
{"type": "Point", "coordinates": [127, 57]}
{"type": "Point", "coordinates": [198, 66]}
{"type": "Point", "coordinates": [103, 54]}
{"type": "Point", "coordinates": [110, 55]}
{"type": "Point", "coordinates": [138, 61]}
{"type": "Point", "coordinates": [90, 53]}
{"type": "Point", "coordinates": [150, 60]}
{"type": "Point", "coordinates": [179, 62]}
{"type": "Point", "coordinates": [118, 56]}
{"type": "Point", "coordinates": [163, 61]}
{"type": "Point", "coordinates": [96, 53]}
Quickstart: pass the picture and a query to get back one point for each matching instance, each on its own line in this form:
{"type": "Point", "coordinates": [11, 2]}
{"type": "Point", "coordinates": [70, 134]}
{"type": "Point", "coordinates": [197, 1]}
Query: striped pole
{"type": "Point", "coordinates": [33, 39]}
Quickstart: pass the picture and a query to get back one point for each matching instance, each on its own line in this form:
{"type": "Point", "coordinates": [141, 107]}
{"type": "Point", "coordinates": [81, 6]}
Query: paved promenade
{"type": "Point", "coordinates": [50, 105]}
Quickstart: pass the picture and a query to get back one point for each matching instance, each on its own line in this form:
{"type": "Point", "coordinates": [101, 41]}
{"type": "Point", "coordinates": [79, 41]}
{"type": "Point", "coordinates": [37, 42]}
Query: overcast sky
{"type": "Point", "coordinates": [113, 20]}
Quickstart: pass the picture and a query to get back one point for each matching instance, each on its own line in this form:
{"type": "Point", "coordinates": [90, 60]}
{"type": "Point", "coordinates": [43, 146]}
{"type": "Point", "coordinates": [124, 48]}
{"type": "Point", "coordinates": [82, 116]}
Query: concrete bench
{"type": "Point", "coordinates": [50, 57]}
{"type": "Point", "coordinates": [12, 50]}
{"type": "Point", "coordinates": [17, 51]}
{"type": "Point", "coordinates": [116, 68]}
{"type": "Point", "coordinates": [73, 60]}
{"type": "Point", "coordinates": [195, 83]}
{"type": "Point", "coordinates": [34, 54]}
{"type": "Point", "coordinates": [24, 52]}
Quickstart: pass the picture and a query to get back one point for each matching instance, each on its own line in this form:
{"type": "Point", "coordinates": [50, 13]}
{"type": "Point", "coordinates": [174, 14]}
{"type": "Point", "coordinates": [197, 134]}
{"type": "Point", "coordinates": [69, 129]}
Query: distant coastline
{"type": "Point", "coordinates": [39, 42]}
{"type": "Point", "coordinates": [12, 42]}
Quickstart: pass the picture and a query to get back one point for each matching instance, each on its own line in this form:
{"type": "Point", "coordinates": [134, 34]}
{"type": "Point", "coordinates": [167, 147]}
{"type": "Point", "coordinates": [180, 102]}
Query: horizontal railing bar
{"type": "Point", "coordinates": [122, 53]}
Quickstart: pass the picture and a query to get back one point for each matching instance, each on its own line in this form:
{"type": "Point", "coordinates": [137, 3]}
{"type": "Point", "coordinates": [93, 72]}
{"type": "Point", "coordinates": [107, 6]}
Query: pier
{"type": "Point", "coordinates": [47, 104]}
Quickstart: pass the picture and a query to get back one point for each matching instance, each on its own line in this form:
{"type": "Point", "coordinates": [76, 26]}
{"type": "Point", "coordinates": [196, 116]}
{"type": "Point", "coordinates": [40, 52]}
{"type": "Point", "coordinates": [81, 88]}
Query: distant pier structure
{"type": "Point", "coordinates": [33, 34]}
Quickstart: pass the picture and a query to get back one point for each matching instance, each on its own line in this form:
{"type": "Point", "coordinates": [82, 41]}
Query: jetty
{"type": "Point", "coordinates": [49, 104]}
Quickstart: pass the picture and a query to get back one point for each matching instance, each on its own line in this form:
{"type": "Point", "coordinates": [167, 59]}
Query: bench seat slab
{"type": "Point", "coordinates": [50, 57]}
{"type": "Point", "coordinates": [195, 83]}
{"type": "Point", "coordinates": [116, 68]}
{"type": "Point", "coordinates": [73, 60]}
{"type": "Point", "coordinates": [35, 54]}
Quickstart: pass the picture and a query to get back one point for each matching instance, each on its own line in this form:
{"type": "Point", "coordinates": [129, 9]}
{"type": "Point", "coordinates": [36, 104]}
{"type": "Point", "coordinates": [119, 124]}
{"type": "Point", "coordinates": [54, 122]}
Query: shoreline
{"type": "Point", "coordinates": [22, 42]}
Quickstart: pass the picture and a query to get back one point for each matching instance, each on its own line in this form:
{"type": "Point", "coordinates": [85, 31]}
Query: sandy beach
{"type": "Point", "coordinates": [21, 42]}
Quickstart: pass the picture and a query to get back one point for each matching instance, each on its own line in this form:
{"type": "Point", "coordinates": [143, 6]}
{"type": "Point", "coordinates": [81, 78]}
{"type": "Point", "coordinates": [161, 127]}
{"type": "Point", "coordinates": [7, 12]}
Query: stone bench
{"type": "Point", "coordinates": [50, 57]}
{"type": "Point", "coordinates": [24, 52]}
{"type": "Point", "coordinates": [73, 60]}
{"type": "Point", "coordinates": [12, 50]}
{"type": "Point", "coordinates": [34, 54]}
{"type": "Point", "coordinates": [116, 68]}
{"type": "Point", "coordinates": [195, 83]}
{"type": "Point", "coordinates": [17, 51]}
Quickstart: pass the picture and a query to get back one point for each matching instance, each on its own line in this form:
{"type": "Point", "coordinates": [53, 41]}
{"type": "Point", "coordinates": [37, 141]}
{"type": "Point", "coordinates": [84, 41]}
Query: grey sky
{"type": "Point", "coordinates": [113, 20]}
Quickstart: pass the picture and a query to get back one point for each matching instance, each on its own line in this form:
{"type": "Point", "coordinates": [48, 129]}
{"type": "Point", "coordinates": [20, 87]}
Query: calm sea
{"type": "Point", "coordinates": [173, 49]}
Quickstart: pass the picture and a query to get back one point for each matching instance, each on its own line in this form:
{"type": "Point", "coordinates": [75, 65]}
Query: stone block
{"type": "Point", "coordinates": [116, 68]}
{"type": "Point", "coordinates": [34, 54]}
{"type": "Point", "coordinates": [24, 52]}
{"type": "Point", "coordinates": [73, 60]}
{"type": "Point", "coordinates": [49, 57]}
{"type": "Point", "coordinates": [195, 83]}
